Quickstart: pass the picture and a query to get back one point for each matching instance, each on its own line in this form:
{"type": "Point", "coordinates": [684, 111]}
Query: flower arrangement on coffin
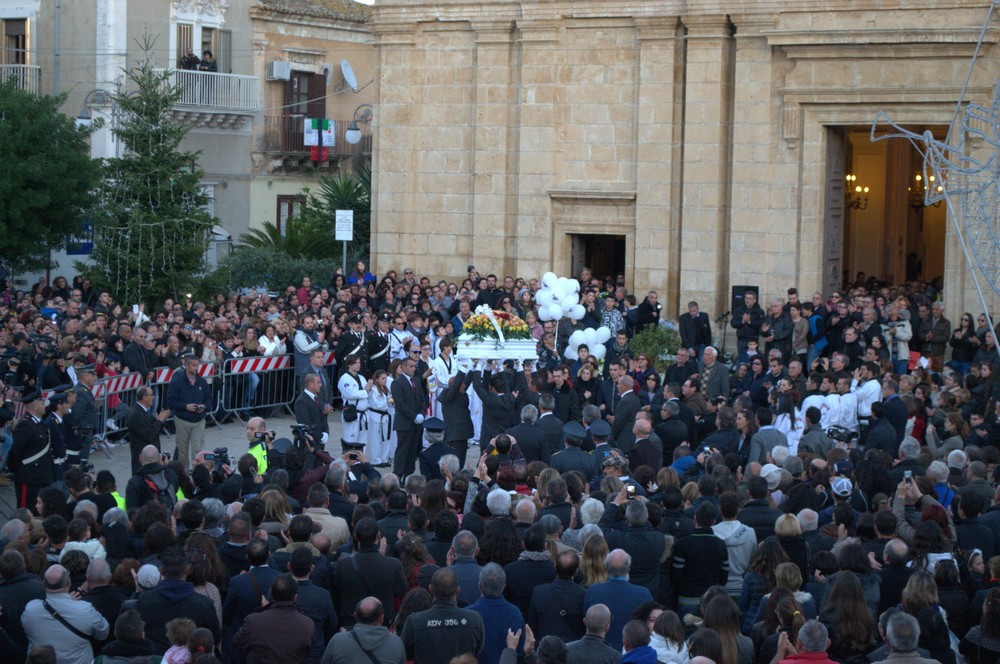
{"type": "Point", "coordinates": [495, 335]}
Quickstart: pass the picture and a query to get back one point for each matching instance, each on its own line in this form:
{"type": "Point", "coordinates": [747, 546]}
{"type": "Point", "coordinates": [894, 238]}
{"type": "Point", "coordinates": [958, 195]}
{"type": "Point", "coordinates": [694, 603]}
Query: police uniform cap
{"type": "Point", "coordinates": [574, 430]}
{"type": "Point", "coordinates": [385, 317]}
{"type": "Point", "coordinates": [58, 398]}
{"type": "Point", "coordinates": [189, 356]}
{"type": "Point", "coordinates": [351, 447]}
{"type": "Point", "coordinates": [86, 368]}
{"type": "Point", "coordinates": [600, 428]}
{"type": "Point", "coordinates": [434, 424]}
{"type": "Point", "coordinates": [354, 318]}
{"type": "Point", "coordinates": [31, 395]}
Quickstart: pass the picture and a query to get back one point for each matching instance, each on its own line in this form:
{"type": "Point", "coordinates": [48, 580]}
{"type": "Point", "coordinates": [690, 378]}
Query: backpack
{"type": "Point", "coordinates": [166, 498]}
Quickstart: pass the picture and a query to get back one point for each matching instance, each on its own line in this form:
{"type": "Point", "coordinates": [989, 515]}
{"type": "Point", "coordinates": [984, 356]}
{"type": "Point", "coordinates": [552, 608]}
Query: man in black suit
{"type": "Point", "coordinates": [318, 367]}
{"type": "Point", "coordinates": [567, 404]}
{"type": "Point", "coordinates": [549, 424]}
{"type": "Point", "coordinates": [309, 410]}
{"type": "Point", "coordinates": [895, 410]}
{"type": "Point", "coordinates": [672, 392]}
{"type": "Point", "coordinates": [672, 430]}
{"type": "Point", "coordinates": [143, 427]}
{"type": "Point", "coordinates": [498, 406]}
{"type": "Point", "coordinates": [430, 458]}
{"type": "Point", "coordinates": [556, 608]}
{"type": "Point", "coordinates": [607, 392]}
{"type": "Point", "coordinates": [532, 441]}
{"type": "Point", "coordinates": [411, 402]}
{"type": "Point", "coordinates": [624, 417]}
{"type": "Point", "coordinates": [455, 413]}
{"type": "Point", "coordinates": [695, 328]}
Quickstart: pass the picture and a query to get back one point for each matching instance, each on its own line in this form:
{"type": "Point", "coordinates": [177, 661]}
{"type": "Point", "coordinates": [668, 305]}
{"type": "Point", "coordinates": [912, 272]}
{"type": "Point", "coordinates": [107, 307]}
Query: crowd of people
{"type": "Point", "coordinates": [829, 495]}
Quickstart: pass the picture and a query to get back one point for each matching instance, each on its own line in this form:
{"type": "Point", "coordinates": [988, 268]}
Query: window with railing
{"type": "Point", "coordinates": [15, 41]}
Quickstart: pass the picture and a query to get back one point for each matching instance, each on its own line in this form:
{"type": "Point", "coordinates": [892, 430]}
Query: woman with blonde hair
{"type": "Point", "coordinates": [595, 550]}
{"type": "Point", "coordinates": [921, 592]}
{"type": "Point", "coordinates": [276, 511]}
{"type": "Point", "coordinates": [789, 532]}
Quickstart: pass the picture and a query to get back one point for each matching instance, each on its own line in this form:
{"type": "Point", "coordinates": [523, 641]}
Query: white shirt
{"type": "Point", "coordinates": [350, 391]}
{"type": "Point", "coordinates": [847, 413]}
{"type": "Point", "coordinates": [442, 372]}
{"type": "Point", "coordinates": [269, 347]}
{"type": "Point", "coordinates": [866, 394]}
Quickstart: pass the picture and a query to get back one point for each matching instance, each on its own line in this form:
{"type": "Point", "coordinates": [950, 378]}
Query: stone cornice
{"type": "Point", "coordinates": [707, 27]}
{"type": "Point", "coordinates": [809, 41]}
{"type": "Point", "coordinates": [569, 195]}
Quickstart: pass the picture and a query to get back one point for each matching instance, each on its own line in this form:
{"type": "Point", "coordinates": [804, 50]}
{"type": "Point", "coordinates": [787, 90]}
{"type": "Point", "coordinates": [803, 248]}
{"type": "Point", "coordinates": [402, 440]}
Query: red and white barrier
{"type": "Point", "coordinates": [116, 384]}
{"type": "Point", "coordinates": [252, 364]}
{"type": "Point", "coordinates": [164, 374]}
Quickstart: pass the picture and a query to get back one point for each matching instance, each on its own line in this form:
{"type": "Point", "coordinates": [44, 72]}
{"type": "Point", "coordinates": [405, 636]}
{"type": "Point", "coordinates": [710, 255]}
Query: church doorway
{"type": "Point", "coordinates": [884, 229]}
{"type": "Point", "coordinates": [603, 254]}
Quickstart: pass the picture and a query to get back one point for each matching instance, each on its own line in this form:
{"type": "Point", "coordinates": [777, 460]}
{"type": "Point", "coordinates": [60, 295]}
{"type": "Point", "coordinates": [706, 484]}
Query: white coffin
{"type": "Point", "coordinates": [494, 349]}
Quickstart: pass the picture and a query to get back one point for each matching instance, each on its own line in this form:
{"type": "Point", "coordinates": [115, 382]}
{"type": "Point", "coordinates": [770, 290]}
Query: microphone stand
{"type": "Point", "coordinates": [722, 320]}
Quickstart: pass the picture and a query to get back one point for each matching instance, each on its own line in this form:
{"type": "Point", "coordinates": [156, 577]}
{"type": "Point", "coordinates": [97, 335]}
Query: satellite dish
{"type": "Point", "coordinates": [350, 80]}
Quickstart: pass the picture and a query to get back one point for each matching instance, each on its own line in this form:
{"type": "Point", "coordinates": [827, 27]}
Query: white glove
{"type": "Point", "coordinates": [518, 365]}
{"type": "Point", "coordinates": [465, 364]}
{"type": "Point", "coordinates": [481, 364]}
{"type": "Point", "coordinates": [419, 419]}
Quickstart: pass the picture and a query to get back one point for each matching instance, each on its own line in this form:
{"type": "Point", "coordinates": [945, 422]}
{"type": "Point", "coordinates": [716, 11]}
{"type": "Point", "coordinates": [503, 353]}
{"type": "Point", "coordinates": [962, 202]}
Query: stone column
{"type": "Point", "coordinates": [658, 156]}
{"type": "Point", "coordinates": [392, 153]}
{"type": "Point", "coordinates": [708, 118]}
{"type": "Point", "coordinates": [538, 150]}
{"type": "Point", "coordinates": [493, 203]}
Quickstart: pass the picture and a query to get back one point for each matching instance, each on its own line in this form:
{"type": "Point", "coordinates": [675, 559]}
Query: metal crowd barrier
{"type": "Point", "coordinates": [161, 380]}
{"type": "Point", "coordinates": [115, 396]}
{"type": "Point", "coordinates": [259, 383]}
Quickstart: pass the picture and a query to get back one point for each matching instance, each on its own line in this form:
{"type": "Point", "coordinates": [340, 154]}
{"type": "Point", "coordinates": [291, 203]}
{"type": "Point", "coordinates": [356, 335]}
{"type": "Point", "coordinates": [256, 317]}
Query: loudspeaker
{"type": "Point", "coordinates": [738, 291]}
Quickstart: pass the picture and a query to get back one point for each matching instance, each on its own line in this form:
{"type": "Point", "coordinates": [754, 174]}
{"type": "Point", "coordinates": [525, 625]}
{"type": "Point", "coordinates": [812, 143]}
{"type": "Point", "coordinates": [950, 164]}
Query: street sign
{"type": "Point", "coordinates": [345, 226]}
{"type": "Point", "coordinates": [311, 132]}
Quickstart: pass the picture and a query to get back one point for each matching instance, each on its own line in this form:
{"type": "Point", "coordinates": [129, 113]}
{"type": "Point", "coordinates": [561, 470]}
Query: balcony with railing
{"type": "Point", "coordinates": [284, 139]}
{"type": "Point", "coordinates": [215, 100]}
{"type": "Point", "coordinates": [25, 77]}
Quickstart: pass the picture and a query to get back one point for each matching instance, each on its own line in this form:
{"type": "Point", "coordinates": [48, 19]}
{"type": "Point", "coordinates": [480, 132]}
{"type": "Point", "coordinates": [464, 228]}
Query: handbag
{"type": "Point", "coordinates": [350, 413]}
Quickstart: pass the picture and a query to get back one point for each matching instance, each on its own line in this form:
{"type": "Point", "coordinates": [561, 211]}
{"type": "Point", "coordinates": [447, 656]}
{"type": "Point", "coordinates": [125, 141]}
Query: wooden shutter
{"type": "Point", "coordinates": [317, 96]}
{"type": "Point", "coordinates": [184, 40]}
{"type": "Point", "coordinates": [225, 51]}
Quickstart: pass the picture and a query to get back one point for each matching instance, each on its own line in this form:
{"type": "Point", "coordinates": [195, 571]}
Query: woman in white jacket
{"type": "Point", "coordinates": [667, 639]}
{"type": "Point", "coordinates": [898, 331]}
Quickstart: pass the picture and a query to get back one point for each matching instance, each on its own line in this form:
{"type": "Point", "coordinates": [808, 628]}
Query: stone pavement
{"type": "Point", "coordinates": [231, 435]}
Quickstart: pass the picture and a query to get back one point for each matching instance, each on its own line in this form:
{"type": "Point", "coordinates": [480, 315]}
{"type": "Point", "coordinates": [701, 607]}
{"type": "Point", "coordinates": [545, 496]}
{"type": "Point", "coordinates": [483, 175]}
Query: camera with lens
{"type": "Point", "coordinates": [86, 467]}
{"type": "Point", "coordinates": [299, 433]}
{"type": "Point", "coordinates": [221, 457]}
{"type": "Point", "coordinates": [841, 435]}
{"type": "Point", "coordinates": [264, 435]}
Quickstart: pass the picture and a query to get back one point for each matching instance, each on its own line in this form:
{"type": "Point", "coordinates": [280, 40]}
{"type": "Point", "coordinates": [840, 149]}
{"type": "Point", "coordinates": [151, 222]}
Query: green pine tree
{"type": "Point", "coordinates": [152, 228]}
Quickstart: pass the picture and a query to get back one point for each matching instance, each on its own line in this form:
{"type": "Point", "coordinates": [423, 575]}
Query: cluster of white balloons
{"type": "Point", "coordinates": [593, 339]}
{"type": "Point", "coordinates": [559, 297]}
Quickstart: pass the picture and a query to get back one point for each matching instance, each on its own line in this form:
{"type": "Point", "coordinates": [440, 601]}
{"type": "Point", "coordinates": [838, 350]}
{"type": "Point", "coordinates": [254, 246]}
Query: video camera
{"type": "Point", "coordinates": [221, 457]}
{"type": "Point", "coordinates": [299, 435]}
{"type": "Point", "coordinates": [264, 435]}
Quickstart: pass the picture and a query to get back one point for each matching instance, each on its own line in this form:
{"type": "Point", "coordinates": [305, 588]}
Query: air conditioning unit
{"type": "Point", "coordinates": [278, 70]}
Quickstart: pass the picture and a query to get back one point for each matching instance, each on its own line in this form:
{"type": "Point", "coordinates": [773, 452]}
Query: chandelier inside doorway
{"type": "Point", "coordinates": [918, 191]}
{"type": "Point", "coordinates": [855, 195]}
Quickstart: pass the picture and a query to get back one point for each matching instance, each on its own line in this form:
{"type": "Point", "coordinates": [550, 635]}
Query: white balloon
{"type": "Point", "coordinates": [570, 353]}
{"type": "Point", "coordinates": [598, 351]}
{"type": "Point", "coordinates": [554, 311]}
{"type": "Point", "coordinates": [576, 339]}
{"type": "Point", "coordinates": [548, 279]}
{"type": "Point", "coordinates": [544, 297]}
{"type": "Point", "coordinates": [574, 285]}
{"type": "Point", "coordinates": [603, 334]}
{"type": "Point", "coordinates": [590, 336]}
{"type": "Point", "coordinates": [576, 312]}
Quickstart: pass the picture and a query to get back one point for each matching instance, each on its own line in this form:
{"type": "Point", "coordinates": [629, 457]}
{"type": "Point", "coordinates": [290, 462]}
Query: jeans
{"type": "Point", "coordinates": [901, 366]}
{"type": "Point", "coordinates": [686, 605]}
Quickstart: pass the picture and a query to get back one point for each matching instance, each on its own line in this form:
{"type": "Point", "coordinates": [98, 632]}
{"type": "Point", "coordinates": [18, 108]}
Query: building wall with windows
{"type": "Point", "coordinates": [298, 50]}
{"type": "Point", "coordinates": [706, 143]}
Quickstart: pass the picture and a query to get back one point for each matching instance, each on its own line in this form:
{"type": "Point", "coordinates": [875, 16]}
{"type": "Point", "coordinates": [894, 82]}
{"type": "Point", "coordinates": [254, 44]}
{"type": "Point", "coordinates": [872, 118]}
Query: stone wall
{"type": "Point", "coordinates": [704, 137]}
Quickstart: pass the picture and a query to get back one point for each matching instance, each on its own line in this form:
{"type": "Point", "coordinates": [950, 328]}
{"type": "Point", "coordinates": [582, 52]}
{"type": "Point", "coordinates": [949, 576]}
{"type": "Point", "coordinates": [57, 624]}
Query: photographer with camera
{"type": "Point", "coordinates": [259, 441]}
{"type": "Point", "coordinates": [294, 460]}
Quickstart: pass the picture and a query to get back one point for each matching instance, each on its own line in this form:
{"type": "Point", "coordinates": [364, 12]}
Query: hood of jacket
{"type": "Point", "coordinates": [640, 655]}
{"type": "Point", "coordinates": [154, 472]}
{"type": "Point", "coordinates": [734, 533]}
{"type": "Point", "coordinates": [371, 636]}
{"type": "Point", "coordinates": [175, 590]}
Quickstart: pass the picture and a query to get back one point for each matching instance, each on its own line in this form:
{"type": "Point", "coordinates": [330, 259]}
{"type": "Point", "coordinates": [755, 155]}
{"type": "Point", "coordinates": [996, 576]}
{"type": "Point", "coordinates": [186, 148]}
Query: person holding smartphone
{"type": "Point", "coordinates": [189, 396]}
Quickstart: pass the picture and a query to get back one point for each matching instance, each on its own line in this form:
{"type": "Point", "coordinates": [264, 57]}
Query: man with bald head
{"type": "Point", "coordinates": [153, 482]}
{"type": "Point", "coordinates": [43, 628]}
{"type": "Point", "coordinates": [368, 636]}
{"type": "Point", "coordinates": [444, 630]}
{"type": "Point", "coordinates": [644, 451]}
{"type": "Point", "coordinates": [100, 593]}
{"type": "Point", "coordinates": [593, 648]}
{"type": "Point", "coordinates": [618, 594]}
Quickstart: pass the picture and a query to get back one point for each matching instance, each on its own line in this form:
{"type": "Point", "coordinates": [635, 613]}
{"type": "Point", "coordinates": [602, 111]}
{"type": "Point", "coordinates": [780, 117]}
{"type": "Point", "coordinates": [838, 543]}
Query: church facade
{"type": "Point", "coordinates": [691, 147]}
